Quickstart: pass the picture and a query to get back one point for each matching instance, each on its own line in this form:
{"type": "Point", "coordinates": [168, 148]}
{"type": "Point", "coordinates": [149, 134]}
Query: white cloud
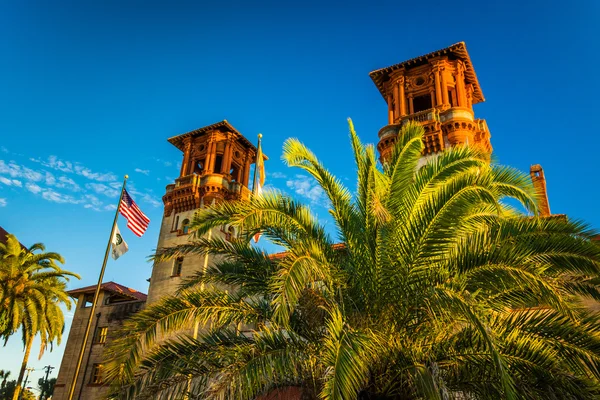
{"type": "Point", "coordinates": [110, 207]}
{"type": "Point", "coordinates": [68, 183]}
{"type": "Point", "coordinates": [74, 167]}
{"type": "Point", "coordinates": [83, 171]}
{"type": "Point", "coordinates": [93, 200]}
{"type": "Point", "coordinates": [51, 195]}
{"type": "Point", "coordinates": [3, 202]}
{"type": "Point", "coordinates": [10, 182]}
{"type": "Point", "coordinates": [55, 163]}
{"type": "Point", "coordinates": [33, 188]}
{"type": "Point", "coordinates": [163, 162]}
{"type": "Point", "coordinates": [276, 175]}
{"type": "Point", "coordinates": [101, 188]}
{"type": "Point", "coordinates": [3, 149]}
{"type": "Point", "coordinates": [150, 199]}
{"type": "Point", "coordinates": [307, 187]}
{"type": "Point", "coordinates": [50, 179]}
{"type": "Point", "coordinates": [11, 169]}
{"type": "Point", "coordinates": [142, 171]}
{"type": "Point", "coordinates": [17, 171]}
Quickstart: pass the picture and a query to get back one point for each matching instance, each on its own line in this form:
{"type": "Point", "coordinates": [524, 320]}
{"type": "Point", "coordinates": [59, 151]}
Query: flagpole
{"type": "Point", "coordinates": [96, 295]}
{"type": "Point", "coordinates": [254, 176]}
{"type": "Point", "coordinates": [256, 164]}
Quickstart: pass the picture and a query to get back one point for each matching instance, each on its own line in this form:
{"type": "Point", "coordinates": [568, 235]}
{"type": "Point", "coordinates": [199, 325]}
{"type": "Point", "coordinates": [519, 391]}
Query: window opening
{"type": "Point", "coordinates": [422, 103]}
{"type": "Point", "coordinates": [199, 167]}
{"type": "Point", "coordinates": [88, 300]}
{"type": "Point", "coordinates": [177, 266]}
{"type": "Point", "coordinates": [185, 226]}
{"type": "Point", "coordinates": [218, 163]}
{"type": "Point", "coordinates": [97, 372]}
{"type": "Point", "coordinates": [101, 333]}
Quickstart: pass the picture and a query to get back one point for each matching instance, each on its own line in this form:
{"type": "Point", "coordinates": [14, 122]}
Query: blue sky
{"type": "Point", "coordinates": [90, 91]}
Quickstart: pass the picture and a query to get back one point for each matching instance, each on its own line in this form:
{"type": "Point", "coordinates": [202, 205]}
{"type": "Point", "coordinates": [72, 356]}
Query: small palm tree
{"type": "Point", "coordinates": [32, 288]}
{"type": "Point", "coordinates": [433, 288]}
{"type": "Point", "coordinates": [4, 376]}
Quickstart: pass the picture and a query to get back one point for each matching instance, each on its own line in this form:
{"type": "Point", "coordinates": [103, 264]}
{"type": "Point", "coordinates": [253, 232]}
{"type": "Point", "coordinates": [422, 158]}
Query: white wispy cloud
{"type": "Point", "coordinates": [33, 188]}
{"type": "Point", "coordinates": [152, 200]}
{"type": "Point", "coordinates": [17, 171]}
{"type": "Point", "coordinates": [56, 197]}
{"type": "Point", "coordinates": [11, 182]}
{"type": "Point", "coordinates": [3, 149]}
{"type": "Point", "coordinates": [68, 183]}
{"type": "Point", "coordinates": [55, 163]}
{"type": "Point", "coordinates": [163, 162]}
{"type": "Point", "coordinates": [307, 187]}
{"type": "Point", "coordinates": [3, 202]}
{"type": "Point", "coordinates": [142, 171]}
{"type": "Point", "coordinates": [59, 188]}
{"type": "Point", "coordinates": [276, 175]}
{"type": "Point", "coordinates": [101, 188]}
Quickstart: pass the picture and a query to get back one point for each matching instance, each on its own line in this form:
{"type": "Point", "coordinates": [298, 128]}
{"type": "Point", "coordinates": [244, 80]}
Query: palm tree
{"type": "Point", "coordinates": [32, 288]}
{"type": "Point", "coordinates": [432, 288]}
{"type": "Point", "coordinates": [4, 376]}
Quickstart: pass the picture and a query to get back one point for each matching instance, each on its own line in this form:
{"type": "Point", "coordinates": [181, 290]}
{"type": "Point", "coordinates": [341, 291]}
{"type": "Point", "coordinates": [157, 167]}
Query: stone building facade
{"type": "Point", "coordinates": [115, 304]}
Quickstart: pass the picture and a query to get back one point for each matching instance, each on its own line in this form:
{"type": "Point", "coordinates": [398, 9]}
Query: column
{"type": "Point", "coordinates": [438, 90]}
{"type": "Point", "coordinates": [410, 104]}
{"type": "Point", "coordinates": [247, 164]}
{"type": "Point", "coordinates": [402, 97]}
{"type": "Point", "coordinates": [390, 109]}
{"type": "Point", "coordinates": [444, 87]}
{"type": "Point", "coordinates": [396, 100]}
{"type": "Point", "coordinates": [211, 156]}
{"type": "Point", "coordinates": [226, 163]}
{"type": "Point", "coordinates": [185, 164]}
{"type": "Point", "coordinates": [460, 86]}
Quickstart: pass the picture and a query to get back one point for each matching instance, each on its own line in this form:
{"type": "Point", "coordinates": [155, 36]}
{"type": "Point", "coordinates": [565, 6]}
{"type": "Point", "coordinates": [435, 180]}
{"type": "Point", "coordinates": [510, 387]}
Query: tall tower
{"type": "Point", "coordinates": [438, 90]}
{"type": "Point", "coordinates": [215, 167]}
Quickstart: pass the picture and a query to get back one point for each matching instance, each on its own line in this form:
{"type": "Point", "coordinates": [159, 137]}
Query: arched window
{"type": "Point", "coordinates": [199, 167]}
{"type": "Point", "coordinates": [185, 226]}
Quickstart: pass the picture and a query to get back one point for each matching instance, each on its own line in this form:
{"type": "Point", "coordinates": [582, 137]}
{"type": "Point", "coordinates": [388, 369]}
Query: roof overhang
{"type": "Point", "coordinates": [112, 287]}
{"type": "Point", "coordinates": [223, 126]}
{"type": "Point", "coordinates": [456, 51]}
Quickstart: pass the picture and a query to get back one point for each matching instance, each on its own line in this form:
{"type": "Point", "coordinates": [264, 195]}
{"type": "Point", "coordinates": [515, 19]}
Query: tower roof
{"type": "Point", "coordinates": [456, 51]}
{"type": "Point", "coordinates": [223, 126]}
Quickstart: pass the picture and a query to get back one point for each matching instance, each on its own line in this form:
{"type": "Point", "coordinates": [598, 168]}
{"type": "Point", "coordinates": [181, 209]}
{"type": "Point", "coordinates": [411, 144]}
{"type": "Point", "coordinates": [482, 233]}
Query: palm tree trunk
{"type": "Point", "coordinates": [23, 366]}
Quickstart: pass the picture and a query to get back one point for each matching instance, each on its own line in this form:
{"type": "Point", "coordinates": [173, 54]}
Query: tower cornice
{"type": "Point", "coordinates": [457, 51]}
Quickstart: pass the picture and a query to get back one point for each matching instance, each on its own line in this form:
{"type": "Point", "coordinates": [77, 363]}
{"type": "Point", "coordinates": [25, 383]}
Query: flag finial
{"type": "Point", "coordinates": [126, 176]}
{"type": "Point", "coordinates": [260, 135]}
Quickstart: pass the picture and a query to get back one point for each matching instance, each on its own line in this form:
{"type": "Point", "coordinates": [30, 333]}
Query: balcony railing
{"type": "Point", "coordinates": [432, 114]}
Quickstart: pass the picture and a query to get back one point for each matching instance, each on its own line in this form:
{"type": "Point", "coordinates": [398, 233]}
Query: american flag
{"type": "Point", "coordinates": [136, 219]}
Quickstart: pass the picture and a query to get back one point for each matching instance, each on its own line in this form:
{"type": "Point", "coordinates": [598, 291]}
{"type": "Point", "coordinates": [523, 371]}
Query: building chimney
{"type": "Point", "coordinates": [539, 183]}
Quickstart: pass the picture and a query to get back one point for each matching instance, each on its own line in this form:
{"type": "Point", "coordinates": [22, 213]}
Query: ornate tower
{"type": "Point", "coordinates": [438, 90]}
{"type": "Point", "coordinates": [216, 167]}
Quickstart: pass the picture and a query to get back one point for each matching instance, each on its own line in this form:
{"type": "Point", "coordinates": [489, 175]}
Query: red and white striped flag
{"type": "Point", "coordinates": [136, 219]}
